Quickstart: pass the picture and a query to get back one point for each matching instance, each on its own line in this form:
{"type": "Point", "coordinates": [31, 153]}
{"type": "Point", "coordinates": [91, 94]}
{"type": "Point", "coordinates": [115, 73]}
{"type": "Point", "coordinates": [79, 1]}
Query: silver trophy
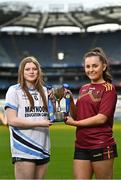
{"type": "Point", "coordinates": [58, 93]}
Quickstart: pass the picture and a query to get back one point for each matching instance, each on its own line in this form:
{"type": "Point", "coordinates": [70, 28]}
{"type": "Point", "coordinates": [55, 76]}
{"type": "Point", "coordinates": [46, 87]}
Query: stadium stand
{"type": "Point", "coordinates": [47, 46]}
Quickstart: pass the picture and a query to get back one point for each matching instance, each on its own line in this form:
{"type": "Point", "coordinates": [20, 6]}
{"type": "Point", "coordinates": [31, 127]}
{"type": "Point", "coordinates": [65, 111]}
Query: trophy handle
{"type": "Point", "coordinates": [67, 100]}
{"type": "Point", "coordinates": [51, 107]}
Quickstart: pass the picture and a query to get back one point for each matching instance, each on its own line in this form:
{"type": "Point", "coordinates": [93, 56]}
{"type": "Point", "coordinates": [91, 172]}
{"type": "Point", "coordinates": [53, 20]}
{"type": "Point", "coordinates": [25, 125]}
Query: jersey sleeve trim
{"type": "Point", "coordinates": [8, 105]}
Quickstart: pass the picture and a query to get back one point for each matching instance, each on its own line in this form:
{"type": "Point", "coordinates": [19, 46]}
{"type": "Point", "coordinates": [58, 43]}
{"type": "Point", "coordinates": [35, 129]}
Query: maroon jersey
{"type": "Point", "coordinates": [95, 99]}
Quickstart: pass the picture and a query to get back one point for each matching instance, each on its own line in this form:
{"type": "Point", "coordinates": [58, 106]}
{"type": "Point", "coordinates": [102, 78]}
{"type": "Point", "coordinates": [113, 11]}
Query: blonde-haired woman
{"type": "Point", "coordinates": [27, 117]}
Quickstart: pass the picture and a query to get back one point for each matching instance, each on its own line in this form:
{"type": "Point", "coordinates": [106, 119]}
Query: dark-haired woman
{"type": "Point", "coordinates": [95, 146]}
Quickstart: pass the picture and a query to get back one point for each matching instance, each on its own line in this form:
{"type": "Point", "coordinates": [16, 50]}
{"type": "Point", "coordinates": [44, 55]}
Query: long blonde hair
{"type": "Point", "coordinates": [39, 81]}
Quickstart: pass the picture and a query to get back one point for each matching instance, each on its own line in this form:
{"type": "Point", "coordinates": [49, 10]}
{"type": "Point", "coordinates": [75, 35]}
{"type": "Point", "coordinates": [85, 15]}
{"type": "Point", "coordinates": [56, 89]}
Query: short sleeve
{"type": "Point", "coordinates": [11, 99]}
{"type": "Point", "coordinates": [108, 103]}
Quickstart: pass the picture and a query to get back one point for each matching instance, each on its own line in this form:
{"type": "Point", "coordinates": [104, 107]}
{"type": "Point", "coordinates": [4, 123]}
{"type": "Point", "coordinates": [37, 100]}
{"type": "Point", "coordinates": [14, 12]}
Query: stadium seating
{"type": "Point", "coordinates": [45, 47]}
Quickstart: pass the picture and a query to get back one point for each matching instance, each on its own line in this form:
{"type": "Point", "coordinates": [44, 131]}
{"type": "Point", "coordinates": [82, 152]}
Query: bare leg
{"type": "Point", "coordinates": [103, 169]}
{"type": "Point", "coordinates": [24, 170]}
{"type": "Point", "coordinates": [82, 169]}
{"type": "Point", "coordinates": [41, 171]}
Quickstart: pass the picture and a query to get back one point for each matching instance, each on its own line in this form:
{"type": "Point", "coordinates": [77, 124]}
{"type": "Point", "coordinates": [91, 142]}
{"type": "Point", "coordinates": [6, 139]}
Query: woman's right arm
{"type": "Point", "coordinates": [15, 121]}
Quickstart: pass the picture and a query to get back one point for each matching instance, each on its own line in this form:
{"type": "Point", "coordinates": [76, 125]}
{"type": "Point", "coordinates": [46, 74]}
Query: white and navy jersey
{"type": "Point", "coordinates": [31, 143]}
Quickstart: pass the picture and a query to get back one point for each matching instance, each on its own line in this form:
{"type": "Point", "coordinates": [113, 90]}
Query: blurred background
{"type": "Point", "coordinates": [58, 34]}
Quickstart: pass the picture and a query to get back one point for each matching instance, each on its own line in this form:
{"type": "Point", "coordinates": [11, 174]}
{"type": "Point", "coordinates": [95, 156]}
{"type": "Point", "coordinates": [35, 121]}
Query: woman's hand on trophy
{"type": "Point", "coordinates": [70, 121]}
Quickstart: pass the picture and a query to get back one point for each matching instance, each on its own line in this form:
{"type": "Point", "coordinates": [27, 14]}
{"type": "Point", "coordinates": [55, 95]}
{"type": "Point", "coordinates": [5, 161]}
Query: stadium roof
{"type": "Point", "coordinates": [22, 14]}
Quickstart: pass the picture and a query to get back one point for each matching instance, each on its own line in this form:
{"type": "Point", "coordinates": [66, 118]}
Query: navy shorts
{"type": "Point", "coordinates": [36, 161]}
{"type": "Point", "coordinates": [96, 154]}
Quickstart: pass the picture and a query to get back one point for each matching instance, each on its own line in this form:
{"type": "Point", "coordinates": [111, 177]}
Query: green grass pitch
{"type": "Point", "coordinates": [62, 147]}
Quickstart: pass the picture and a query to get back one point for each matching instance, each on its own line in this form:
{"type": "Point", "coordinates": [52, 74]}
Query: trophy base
{"type": "Point", "coordinates": [59, 116]}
